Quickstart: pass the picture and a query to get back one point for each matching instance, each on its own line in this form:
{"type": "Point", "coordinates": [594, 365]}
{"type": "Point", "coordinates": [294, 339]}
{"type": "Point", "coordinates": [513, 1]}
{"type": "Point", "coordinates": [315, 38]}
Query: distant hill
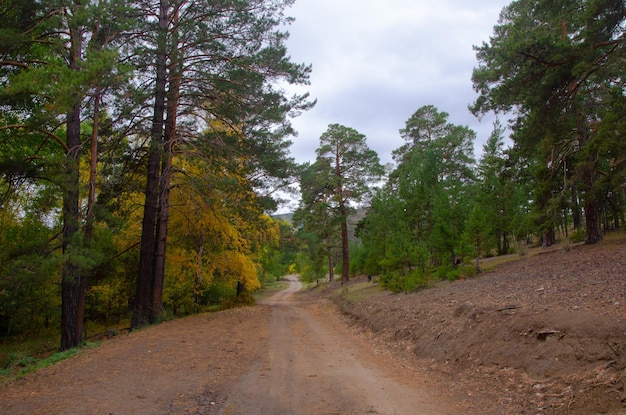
{"type": "Point", "coordinates": [352, 221]}
{"type": "Point", "coordinates": [287, 217]}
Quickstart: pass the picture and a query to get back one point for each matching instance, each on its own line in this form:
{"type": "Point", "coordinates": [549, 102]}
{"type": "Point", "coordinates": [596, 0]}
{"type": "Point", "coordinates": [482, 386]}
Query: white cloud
{"type": "Point", "coordinates": [376, 62]}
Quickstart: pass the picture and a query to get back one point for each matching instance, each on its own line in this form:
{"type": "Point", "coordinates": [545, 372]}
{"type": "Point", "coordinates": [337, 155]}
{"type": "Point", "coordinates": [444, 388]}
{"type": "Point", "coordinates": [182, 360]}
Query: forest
{"type": "Point", "coordinates": [143, 145]}
{"type": "Point", "coordinates": [558, 70]}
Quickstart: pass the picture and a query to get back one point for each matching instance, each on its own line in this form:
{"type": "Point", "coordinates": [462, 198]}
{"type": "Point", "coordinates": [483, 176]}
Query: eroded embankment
{"type": "Point", "coordinates": [545, 333]}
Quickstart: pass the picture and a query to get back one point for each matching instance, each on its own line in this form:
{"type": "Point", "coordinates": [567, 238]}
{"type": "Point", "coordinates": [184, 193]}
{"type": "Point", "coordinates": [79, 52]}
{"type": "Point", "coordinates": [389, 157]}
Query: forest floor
{"type": "Point", "coordinates": [540, 334]}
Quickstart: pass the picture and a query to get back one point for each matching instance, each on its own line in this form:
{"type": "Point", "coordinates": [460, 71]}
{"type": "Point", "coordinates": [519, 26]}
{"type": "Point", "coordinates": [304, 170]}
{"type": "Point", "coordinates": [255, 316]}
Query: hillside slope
{"type": "Point", "coordinates": [545, 333]}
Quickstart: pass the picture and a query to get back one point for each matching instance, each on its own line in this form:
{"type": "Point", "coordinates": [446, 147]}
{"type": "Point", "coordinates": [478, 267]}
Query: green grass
{"type": "Point", "coordinates": [18, 363]}
{"type": "Point", "coordinates": [360, 291]}
{"type": "Point", "coordinates": [270, 289]}
{"type": "Point", "coordinates": [20, 349]}
{"type": "Point", "coordinates": [28, 352]}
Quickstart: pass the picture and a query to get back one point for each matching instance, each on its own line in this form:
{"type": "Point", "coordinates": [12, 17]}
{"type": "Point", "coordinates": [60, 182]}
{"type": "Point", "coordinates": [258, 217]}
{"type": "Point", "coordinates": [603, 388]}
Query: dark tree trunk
{"type": "Point", "coordinates": [345, 245]}
{"type": "Point", "coordinates": [161, 243]}
{"type": "Point", "coordinates": [592, 207]}
{"type": "Point", "coordinates": [499, 241]}
{"type": "Point", "coordinates": [73, 284]}
{"type": "Point", "coordinates": [548, 238]}
{"type": "Point", "coordinates": [575, 210]}
{"type": "Point", "coordinates": [165, 181]}
{"type": "Point", "coordinates": [143, 307]}
{"type": "Point", "coordinates": [93, 164]}
{"type": "Point", "coordinates": [143, 294]}
{"type": "Point", "coordinates": [241, 288]}
{"type": "Point", "coordinates": [592, 221]}
{"type": "Point", "coordinates": [331, 266]}
{"type": "Point", "coordinates": [158, 275]}
{"type": "Point", "coordinates": [505, 243]}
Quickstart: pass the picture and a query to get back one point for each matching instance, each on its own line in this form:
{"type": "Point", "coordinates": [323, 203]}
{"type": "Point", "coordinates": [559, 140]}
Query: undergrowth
{"type": "Point", "coordinates": [242, 300]}
{"type": "Point", "coordinates": [18, 363]}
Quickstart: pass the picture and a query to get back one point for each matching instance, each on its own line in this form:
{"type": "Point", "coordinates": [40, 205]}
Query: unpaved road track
{"type": "Point", "coordinates": [314, 366]}
{"type": "Point", "coordinates": [470, 348]}
{"type": "Point", "coordinates": [287, 355]}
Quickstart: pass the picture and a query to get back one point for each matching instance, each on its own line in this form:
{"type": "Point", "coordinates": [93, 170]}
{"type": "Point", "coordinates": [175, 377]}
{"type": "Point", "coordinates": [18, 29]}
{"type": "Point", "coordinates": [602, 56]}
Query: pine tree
{"type": "Point", "coordinates": [342, 174]}
{"type": "Point", "coordinates": [558, 65]}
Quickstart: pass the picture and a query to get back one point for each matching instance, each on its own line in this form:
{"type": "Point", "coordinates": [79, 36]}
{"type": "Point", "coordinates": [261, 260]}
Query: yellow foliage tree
{"type": "Point", "coordinates": [212, 242]}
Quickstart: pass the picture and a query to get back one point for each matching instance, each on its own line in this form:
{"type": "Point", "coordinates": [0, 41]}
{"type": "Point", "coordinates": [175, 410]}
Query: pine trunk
{"type": "Point", "coordinates": [93, 170]}
{"type": "Point", "coordinates": [165, 182]}
{"type": "Point", "coordinates": [143, 307]}
{"type": "Point", "coordinates": [575, 210]}
{"type": "Point", "coordinates": [499, 241]}
{"type": "Point", "coordinates": [345, 246]}
{"type": "Point", "coordinates": [591, 205]}
{"type": "Point", "coordinates": [505, 243]}
{"type": "Point", "coordinates": [548, 238]}
{"type": "Point", "coordinates": [158, 280]}
{"type": "Point", "coordinates": [592, 221]}
{"type": "Point", "coordinates": [73, 284]}
{"type": "Point", "coordinates": [143, 294]}
{"type": "Point", "coordinates": [331, 266]}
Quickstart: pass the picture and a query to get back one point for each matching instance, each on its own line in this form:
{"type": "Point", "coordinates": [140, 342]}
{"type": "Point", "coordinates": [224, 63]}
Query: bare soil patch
{"type": "Point", "coordinates": [544, 334]}
{"type": "Point", "coordinates": [184, 366]}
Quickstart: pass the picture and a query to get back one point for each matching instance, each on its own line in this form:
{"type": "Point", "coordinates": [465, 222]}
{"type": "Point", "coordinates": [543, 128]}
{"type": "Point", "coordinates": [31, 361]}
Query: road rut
{"type": "Point", "coordinates": [313, 366]}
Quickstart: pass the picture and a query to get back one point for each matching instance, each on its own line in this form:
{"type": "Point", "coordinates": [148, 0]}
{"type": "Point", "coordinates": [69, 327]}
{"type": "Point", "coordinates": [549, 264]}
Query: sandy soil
{"type": "Point", "coordinates": [542, 335]}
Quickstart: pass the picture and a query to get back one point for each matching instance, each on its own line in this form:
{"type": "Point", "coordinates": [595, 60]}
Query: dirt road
{"type": "Point", "coordinates": [314, 366]}
{"type": "Point", "coordinates": [284, 356]}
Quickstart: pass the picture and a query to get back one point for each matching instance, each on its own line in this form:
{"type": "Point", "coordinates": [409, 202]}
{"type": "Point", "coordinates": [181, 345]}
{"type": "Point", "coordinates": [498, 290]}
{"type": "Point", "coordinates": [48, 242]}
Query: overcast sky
{"type": "Point", "coordinates": [375, 62]}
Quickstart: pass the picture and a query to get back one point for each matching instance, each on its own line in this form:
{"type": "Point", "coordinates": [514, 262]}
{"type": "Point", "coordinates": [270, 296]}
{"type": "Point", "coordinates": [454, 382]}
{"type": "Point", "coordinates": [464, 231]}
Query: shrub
{"type": "Point", "coordinates": [521, 247]}
{"type": "Point", "coordinates": [241, 300]}
{"type": "Point", "coordinates": [468, 271]}
{"type": "Point", "coordinates": [578, 236]}
{"type": "Point", "coordinates": [446, 272]}
{"type": "Point", "coordinates": [416, 280]}
{"type": "Point", "coordinates": [396, 282]}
